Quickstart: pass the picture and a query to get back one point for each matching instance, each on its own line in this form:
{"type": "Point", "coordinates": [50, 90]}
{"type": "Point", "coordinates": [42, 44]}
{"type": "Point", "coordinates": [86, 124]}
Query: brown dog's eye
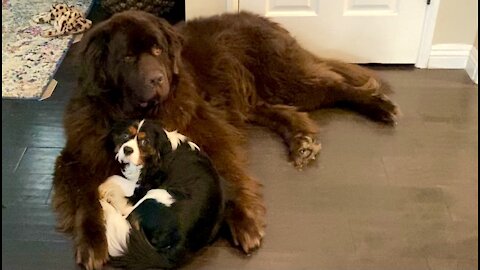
{"type": "Point", "coordinates": [156, 51]}
{"type": "Point", "coordinates": [129, 59]}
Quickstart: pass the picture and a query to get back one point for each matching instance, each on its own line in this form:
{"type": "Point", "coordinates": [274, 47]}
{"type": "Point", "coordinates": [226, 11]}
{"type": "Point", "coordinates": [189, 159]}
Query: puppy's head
{"type": "Point", "coordinates": [140, 142]}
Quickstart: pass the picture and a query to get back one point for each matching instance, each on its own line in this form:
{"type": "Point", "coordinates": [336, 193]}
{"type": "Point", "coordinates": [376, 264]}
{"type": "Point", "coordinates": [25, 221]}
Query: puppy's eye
{"type": "Point", "coordinates": [156, 51]}
{"type": "Point", "coordinates": [129, 59]}
{"type": "Point", "coordinates": [125, 136]}
{"type": "Point", "coordinates": [144, 142]}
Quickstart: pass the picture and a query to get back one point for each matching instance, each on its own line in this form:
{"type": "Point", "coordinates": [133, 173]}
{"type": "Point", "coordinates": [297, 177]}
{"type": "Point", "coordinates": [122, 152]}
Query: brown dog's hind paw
{"type": "Point", "coordinates": [382, 109]}
{"type": "Point", "coordinates": [303, 150]}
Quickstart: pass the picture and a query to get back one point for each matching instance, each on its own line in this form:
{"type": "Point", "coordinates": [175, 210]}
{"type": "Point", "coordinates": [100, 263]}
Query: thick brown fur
{"type": "Point", "coordinates": [213, 76]}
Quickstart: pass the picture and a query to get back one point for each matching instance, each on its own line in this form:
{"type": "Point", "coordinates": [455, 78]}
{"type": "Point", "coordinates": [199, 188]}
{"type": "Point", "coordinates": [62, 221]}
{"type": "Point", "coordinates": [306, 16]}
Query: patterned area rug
{"type": "Point", "coordinates": [29, 60]}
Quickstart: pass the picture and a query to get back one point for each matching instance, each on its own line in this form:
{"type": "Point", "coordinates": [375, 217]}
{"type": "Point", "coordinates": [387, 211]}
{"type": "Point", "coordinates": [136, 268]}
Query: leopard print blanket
{"type": "Point", "coordinates": [66, 20]}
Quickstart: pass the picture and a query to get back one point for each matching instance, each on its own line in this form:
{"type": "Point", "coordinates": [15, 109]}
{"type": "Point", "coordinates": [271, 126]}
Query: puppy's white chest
{"type": "Point", "coordinates": [132, 172]}
{"type": "Point", "coordinates": [128, 184]}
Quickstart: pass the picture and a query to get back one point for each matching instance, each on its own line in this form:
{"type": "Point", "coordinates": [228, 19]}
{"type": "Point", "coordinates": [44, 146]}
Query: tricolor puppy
{"type": "Point", "coordinates": [170, 204]}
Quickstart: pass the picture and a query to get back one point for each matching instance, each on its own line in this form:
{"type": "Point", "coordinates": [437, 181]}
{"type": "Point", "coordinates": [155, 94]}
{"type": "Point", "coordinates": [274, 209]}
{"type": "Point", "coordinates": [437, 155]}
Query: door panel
{"type": "Point", "coordinates": [371, 7]}
{"type": "Point", "coordinates": [360, 31]}
{"type": "Point", "coordinates": [291, 8]}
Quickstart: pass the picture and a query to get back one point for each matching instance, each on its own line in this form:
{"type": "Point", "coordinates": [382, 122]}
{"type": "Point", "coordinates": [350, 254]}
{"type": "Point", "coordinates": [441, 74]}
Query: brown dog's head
{"type": "Point", "coordinates": [133, 57]}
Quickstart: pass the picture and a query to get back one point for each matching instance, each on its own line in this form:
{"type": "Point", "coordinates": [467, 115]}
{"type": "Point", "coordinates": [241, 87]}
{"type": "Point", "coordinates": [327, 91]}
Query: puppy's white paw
{"type": "Point", "coordinates": [161, 196]}
{"type": "Point", "coordinates": [107, 207]}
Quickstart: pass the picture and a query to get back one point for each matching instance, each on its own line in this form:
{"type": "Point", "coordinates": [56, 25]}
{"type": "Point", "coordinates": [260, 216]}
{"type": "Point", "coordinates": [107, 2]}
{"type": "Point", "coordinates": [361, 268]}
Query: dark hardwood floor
{"type": "Point", "coordinates": [377, 197]}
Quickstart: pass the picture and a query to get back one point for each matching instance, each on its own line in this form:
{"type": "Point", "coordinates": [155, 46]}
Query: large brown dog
{"type": "Point", "coordinates": [206, 78]}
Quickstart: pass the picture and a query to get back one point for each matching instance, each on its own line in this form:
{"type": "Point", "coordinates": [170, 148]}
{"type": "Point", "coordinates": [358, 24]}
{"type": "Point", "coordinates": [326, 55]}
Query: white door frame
{"type": "Point", "coordinates": [233, 5]}
{"type": "Point", "coordinates": [427, 34]}
{"type": "Point", "coordinates": [426, 39]}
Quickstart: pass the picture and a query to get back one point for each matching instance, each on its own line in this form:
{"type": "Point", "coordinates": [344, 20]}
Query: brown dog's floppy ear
{"type": "Point", "coordinates": [175, 42]}
{"type": "Point", "coordinates": [93, 54]}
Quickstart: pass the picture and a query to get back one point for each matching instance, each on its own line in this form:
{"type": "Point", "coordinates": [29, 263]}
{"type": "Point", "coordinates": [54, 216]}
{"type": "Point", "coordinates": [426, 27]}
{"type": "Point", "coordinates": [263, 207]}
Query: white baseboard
{"type": "Point", "coordinates": [472, 65]}
{"type": "Point", "coordinates": [449, 56]}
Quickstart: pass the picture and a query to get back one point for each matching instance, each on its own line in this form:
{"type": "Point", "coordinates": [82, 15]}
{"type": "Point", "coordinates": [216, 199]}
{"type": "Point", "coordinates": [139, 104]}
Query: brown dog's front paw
{"type": "Point", "coordinates": [303, 150]}
{"type": "Point", "coordinates": [92, 258]}
{"type": "Point", "coordinates": [247, 228]}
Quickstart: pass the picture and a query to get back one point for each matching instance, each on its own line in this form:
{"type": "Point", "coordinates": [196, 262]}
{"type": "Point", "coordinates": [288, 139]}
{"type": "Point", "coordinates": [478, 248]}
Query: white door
{"type": "Point", "coordinates": [198, 8]}
{"type": "Point", "coordinates": [358, 31]}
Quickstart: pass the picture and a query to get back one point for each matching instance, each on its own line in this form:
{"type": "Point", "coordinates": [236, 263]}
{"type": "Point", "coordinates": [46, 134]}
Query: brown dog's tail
{"type": "Point", "coordinates": [141, 254]}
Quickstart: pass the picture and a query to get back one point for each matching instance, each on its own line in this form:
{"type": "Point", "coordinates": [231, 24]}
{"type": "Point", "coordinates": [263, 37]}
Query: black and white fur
{"type": "Point", "coordinates": [177, 194]}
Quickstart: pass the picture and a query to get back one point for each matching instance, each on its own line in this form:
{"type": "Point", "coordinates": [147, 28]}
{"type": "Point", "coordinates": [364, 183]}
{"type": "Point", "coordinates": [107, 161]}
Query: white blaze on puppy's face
{"type": "Point", "coordinates": [133, 157]}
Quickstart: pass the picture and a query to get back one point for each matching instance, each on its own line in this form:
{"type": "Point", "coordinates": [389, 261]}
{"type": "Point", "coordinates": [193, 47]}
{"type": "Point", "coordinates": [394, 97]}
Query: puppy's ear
{"type": "Point", "coordinates": [161, 141]}
{"type": "Point", "coordinates": [158, 155]}
{"type": "Point", "coordinates": [175, 42]}
{"type": "Point", "coordinates": [93, 54]}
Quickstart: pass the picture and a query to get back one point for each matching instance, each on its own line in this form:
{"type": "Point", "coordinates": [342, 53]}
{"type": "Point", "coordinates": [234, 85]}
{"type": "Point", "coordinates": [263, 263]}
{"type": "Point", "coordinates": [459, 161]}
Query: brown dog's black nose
{"type": "Point", "coordinates": [127, 150]}
{"type": "Point", "coordinates": [155, 79]}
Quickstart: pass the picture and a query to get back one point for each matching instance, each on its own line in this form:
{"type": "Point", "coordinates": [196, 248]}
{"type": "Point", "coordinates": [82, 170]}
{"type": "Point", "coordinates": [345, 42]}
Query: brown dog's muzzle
{"type": "Point", "coordinates": [154, 78]}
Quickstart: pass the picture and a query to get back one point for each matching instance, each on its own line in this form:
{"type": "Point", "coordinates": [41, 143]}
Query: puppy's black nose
{"type": "Point", "coordinates": [127, 150]}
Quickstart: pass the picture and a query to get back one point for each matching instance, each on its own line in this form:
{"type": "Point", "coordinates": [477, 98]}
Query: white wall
{"type": "Point", "coordinates": [455, 34]}
{"type": "Point", "coordinates": [456, 22]}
